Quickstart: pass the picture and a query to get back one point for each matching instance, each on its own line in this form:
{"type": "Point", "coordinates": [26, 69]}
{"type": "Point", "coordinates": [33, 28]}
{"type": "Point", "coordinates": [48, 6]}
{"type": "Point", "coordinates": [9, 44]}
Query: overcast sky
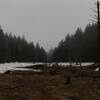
{"type": "Point", "coordinates": [44, 21]}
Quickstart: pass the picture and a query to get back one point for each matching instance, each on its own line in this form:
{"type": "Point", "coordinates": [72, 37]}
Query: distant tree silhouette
{"type": "Point", "coordinates": [14, 48]}
{"type": "Point", "coordinates": [80, 47]}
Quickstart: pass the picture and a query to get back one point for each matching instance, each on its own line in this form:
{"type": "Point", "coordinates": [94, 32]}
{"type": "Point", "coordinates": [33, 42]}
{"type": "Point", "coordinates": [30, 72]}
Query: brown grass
{"type": "Point", "coordinates": [48, 86]}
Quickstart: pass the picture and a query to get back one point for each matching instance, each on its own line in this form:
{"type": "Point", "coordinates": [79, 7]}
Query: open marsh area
{"type": "Point", "coordinates": [51, 84]}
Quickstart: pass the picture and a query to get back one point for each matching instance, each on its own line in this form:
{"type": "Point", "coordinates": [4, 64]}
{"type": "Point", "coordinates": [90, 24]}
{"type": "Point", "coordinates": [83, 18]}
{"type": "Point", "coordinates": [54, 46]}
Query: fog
{"type": "Point", "coordinates": [45, 21]}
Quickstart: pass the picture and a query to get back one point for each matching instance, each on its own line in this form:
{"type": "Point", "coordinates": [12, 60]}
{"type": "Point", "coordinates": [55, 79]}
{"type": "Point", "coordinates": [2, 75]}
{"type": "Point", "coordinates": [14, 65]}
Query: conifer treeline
{"type": "Point", "coordinates": [14, 48]}
{"type": "Point", "coordinates": [81, 47]}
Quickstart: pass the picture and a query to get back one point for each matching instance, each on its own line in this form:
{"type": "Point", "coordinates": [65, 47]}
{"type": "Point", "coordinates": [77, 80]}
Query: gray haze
{"type": "Point", "coordinates": [44, 21]}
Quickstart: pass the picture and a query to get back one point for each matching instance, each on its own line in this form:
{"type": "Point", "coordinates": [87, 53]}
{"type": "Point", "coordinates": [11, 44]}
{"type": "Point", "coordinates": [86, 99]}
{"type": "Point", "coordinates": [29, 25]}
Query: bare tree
{"type": "Point", "coordinates": [96, 19]}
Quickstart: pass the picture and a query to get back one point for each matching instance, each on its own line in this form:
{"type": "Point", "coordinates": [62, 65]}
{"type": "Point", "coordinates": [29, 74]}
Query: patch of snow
{"type": "Point", "coordinates": [87, 64]}
{"type": "Point", "coordinates": [74, 64]}
{"type": "Point", "coordinates": [16, 66]}
{"type": "Point", "coordinates": [64, 63]}
{"type": "Point", "coordinates": [97, 69]}
{"type": "Point", "coordinates": [21, 66]}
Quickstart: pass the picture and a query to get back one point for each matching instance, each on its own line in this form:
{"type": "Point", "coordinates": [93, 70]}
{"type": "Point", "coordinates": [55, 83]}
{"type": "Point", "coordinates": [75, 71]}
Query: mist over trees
{"type": "Point", "coordinates": [81, 47]}
{"type": "Point", "coordinates": [14, 48]}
